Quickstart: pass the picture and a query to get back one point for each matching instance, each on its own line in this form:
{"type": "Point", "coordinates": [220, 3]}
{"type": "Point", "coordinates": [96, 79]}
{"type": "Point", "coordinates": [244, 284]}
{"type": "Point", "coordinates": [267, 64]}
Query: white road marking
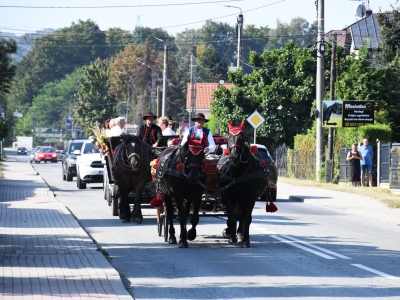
{"type": "Point", "coordinates": [317, 247]}
{"type": "Point", "coordinates": [277, 237]}
{"type": "Point", "coordinates": [375, 271]}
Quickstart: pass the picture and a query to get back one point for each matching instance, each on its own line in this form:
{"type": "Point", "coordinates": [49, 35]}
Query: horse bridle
{"type": "Point", "coordinates": [246, 144]}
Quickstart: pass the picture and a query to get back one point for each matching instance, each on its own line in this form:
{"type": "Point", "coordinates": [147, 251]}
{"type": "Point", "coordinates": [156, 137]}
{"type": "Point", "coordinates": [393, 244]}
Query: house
{"type": "Point", "coordinates": [364, 31]}
{"type": "Point", "coordinates": [204, 93]}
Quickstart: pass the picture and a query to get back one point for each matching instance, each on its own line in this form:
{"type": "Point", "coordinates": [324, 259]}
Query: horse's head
{"type": "Point", "coordinates": [133, 151]}
{"type": "Point", "coordinates": [238, 145]}
{"type": "Point", "coordinates": [193, 160]}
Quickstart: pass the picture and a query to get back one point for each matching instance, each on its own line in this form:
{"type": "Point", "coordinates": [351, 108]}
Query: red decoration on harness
{"type": "Point", "coordinates": [235, 130]}
{"type": "Point", "coordinates": [254, 149]}
{"type": "Point", "coordinates": [195, 146]}
{"type": "Point", "coordinates": [156, 201]}
{"type": "Point", "coordinates": [263, 162]}
{"type": "Point", "coordinates": [179, 166]}
{"type": "Point", "coordinates": [270, 207]}
{"type": "Point", "coordinates": [226, 152]}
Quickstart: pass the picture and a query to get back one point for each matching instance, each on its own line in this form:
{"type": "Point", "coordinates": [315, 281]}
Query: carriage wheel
{"type": "Point", "coordinates": [165, 222]}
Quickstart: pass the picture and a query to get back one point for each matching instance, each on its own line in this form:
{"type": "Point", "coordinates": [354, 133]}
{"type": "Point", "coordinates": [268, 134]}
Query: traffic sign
{"type": "Point", "coordinates": [255, 119]}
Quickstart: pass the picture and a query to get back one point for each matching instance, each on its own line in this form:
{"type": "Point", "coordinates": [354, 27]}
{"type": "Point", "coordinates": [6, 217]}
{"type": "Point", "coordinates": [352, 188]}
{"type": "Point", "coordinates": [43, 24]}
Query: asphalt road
{"type": "Point", "coordinates": [300, 251]}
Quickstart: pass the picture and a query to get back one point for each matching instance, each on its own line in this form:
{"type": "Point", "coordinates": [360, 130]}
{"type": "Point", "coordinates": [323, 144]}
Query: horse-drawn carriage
{"type": "Point", "coordinates": [186, 184]}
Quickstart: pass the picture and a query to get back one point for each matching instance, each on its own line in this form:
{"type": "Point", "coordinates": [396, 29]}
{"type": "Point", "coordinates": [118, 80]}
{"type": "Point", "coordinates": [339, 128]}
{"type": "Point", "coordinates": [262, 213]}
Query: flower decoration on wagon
{"type": "Point", "coordinates": [101, 142]}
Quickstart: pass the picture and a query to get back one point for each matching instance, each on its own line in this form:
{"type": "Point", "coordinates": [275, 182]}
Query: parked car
{"type": "Point", "coordinates": [60, 154]}
{"type": "Point", "coordinates": [89, 165]}
{"type": "Point", "coordinates": [69, 159]}
{"type": "Point", "coordinates": [266, 157]}
{"type": "Point", "coordinates": [22, 151]}
{"type": "Point", "coordinates": [272, 170]}
{"type": "Point", "coordinates": [45, 154]}
{"type": "Point", "coordinates": [32, 155]}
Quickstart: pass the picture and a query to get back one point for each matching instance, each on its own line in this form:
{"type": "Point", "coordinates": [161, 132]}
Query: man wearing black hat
{"type": "Point", "coordinates": [150, 133]}
{"type": "Point", "coordinates": [199, 132]}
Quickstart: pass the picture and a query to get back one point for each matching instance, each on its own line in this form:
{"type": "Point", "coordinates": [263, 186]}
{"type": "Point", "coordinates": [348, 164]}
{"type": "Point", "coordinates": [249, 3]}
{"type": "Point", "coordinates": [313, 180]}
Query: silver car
{"type": "Point", "coordinates": [32, 155]}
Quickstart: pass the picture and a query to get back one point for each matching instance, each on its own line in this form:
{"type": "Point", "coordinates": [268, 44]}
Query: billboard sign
{"type": "Point", "coordinates": [358, 113]}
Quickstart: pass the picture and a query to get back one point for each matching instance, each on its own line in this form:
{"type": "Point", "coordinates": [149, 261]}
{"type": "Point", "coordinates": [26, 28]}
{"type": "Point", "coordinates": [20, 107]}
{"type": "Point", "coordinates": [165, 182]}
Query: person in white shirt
{"type": "Point", "coordinates": [198, 131]}
{"type": "Point", "coordinates": [163, 124]}
{"type": "Point", "coordinates": [118, 129]}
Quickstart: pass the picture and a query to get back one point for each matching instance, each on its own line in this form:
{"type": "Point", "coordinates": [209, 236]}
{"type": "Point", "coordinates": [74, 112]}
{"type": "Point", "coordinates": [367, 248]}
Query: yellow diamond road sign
{"type": "Point", "coordinates": [255, 119]}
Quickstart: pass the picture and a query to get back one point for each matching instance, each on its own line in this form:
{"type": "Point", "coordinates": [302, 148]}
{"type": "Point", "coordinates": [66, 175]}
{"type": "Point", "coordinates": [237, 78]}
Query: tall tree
{"type": "Point", "coordinates": [390, 38]}
{"type": "Point", "coordinates": [7, 68]}
{"type": "Point", "coordinates": [51, 106]}
{"type": "Point", "coordinates": [282, 89]}
{"type": "Point", "coordinates": [94, 101]}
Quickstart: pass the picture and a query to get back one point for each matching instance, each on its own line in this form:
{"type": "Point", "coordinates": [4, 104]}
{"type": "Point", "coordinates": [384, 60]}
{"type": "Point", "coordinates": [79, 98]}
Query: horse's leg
{"type": "Point", "coordinates": [247, 218]}
{"type": "Point", "coordinates": [230, 232]}
{"type": "Point", "coordinates": [240, 230]}
{"type": "Point", "coordinates": [124, 209]}
{"type": "Point", "coordinates": [137, 209]}
{"type": "Point", "coordinates": [182, 218]}
{"type": "Point", "coordinates": [191, 234]}
{"type": "Point", "coordinates": [170, 218]}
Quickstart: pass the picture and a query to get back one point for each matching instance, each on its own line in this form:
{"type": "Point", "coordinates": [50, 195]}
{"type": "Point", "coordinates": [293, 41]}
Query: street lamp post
{"type": "Point", "coordinates": [130, 83]}
{"type": "Point", "coordinates": [164, 93]}
{"type": "Point", "coordinates": [153, 86]}
{"type": "Point", "coordinates": [239, 35]}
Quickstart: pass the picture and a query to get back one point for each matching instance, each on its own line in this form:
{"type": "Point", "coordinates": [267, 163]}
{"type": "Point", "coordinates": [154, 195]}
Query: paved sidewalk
{"type": "Point", "coordinates": [44, 253]}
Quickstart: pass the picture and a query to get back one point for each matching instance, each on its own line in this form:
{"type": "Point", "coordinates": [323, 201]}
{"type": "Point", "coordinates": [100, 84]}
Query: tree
{"type": "Point", "coordinates": [390, 39]}
{"type": "Point", "coordinates": [3, 129]}
{"type": "Point", "coordinates": [94, 101]}
{"type": "Point", "coordinates": [282, 89]}
{"type": "Point", "coordinates": [7, 69]}
{"type": "Point", "coordinates": [362, 80]}
{"type": "Point", "coordinates": [51, 106]}
{"type": "Point", "coordinates": [55, 55]}
{"type": "Point", "coordinates": [210, 68]}
{"type": "Point", "coordinates": [117, 39]}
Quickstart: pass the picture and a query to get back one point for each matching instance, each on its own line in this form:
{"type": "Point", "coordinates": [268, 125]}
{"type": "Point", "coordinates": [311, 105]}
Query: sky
{"type": "Point", "coordinates": [174, 18]}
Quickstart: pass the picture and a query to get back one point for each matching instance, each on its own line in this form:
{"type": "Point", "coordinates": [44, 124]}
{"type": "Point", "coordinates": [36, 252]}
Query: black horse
{"type": "Point", "coordinates": [130, 168]}
{"type": "Point", "coordinates": [250, 179]}
{"type": "Point", "coordinates": [332, 109]}
{"type": "Point", "coordinates": [178, 172]}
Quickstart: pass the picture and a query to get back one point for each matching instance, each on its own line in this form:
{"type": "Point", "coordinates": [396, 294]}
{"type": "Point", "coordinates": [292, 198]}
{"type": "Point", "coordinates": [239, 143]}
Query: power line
{"type": "Point", "coordinates": [117, 6]}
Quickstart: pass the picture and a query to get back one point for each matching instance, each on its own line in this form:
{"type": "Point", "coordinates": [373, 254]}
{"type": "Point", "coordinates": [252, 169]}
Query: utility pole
{"type": "Point", "coordinates": [164, 93]}
{"type": "Point", "coordinates": [153, 90]}
{"type": "Point", "coordinates": [239, 33]}
{"type": "Point", "coordinates": [193, 76]}
{"type": "Point", "coordinates": [332, 97]}
{"type": "Point", "coordinates": [320, 89]}
{"type": "Point", "coordinates": [332, 94]}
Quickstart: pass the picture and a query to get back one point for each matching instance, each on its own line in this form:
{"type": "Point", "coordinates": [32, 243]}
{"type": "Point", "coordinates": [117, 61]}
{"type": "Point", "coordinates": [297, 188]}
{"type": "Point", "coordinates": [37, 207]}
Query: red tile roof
{"type": "Point", "coordinates": [204, 92]}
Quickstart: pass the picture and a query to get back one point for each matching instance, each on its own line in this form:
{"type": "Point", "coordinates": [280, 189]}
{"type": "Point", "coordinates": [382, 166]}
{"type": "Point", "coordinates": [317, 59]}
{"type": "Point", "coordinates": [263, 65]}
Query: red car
{"type": "Point", "coordinates": [45, 154]}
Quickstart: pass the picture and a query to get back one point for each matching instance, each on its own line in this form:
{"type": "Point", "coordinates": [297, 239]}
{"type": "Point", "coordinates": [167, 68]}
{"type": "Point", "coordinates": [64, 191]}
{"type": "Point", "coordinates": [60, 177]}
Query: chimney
{"type": "Point", "coordinates": [368, 12]}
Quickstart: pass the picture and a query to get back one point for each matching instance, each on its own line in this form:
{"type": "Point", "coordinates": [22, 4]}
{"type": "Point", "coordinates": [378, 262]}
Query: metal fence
{"type": "Point", "coordinates": [281, 160]}
{"type": "Point", "coordinates": [387, 164]}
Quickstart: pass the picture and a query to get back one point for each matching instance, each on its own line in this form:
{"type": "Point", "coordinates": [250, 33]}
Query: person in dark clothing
{"type": "Point", "coordinates": [150, 133]}
{"type": "Point", "coordinates": [354, 157]}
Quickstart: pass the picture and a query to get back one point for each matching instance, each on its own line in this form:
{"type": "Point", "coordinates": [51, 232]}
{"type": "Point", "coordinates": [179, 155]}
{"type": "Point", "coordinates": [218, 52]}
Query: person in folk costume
{"type": "Point", "coordinates": [150, 133]}
{"type": "Point", "coordinates": [198, 132]}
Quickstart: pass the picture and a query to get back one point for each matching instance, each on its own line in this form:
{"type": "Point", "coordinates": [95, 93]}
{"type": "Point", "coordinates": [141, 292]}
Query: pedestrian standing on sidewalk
{"type": "Point", "coordinates": [354, 157]}
{"type": "Point", "coordinates": [366, 163]}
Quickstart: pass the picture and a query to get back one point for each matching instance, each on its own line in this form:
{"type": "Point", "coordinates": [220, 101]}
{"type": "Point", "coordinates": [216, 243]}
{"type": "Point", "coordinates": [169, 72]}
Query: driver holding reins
{"type": "Point", "coordinates": [198, 132]}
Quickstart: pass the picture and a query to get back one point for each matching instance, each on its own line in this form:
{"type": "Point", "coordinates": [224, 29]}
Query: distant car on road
{"type": "Point", "coordinates": [22, 151]}
{"type": "Point", "coordinates": [89, 165]}
{"type": "Point", "coordinates": [45, 154]}
{"type": "Point", "coordinates": [69, 159]}
{"type": "Point", "coordinates": [32, 155]}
